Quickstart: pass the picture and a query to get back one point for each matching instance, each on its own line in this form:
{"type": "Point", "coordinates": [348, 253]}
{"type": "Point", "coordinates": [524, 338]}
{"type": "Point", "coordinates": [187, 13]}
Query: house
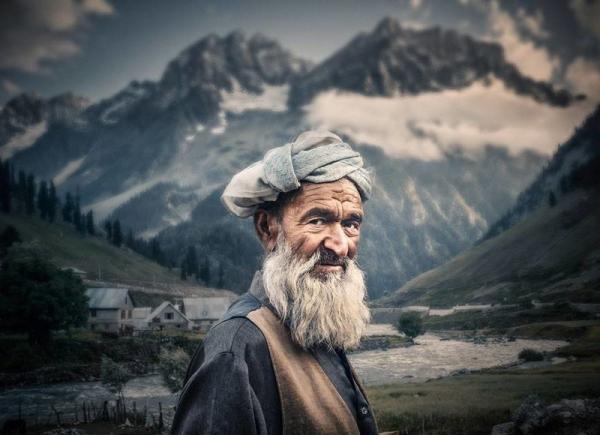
{"type": "Point", "coordinates": [167, 316]}
{"type": "Point", "coordinates": [109, 309]}
{"type": "Point", "coordinates": [203, 312]}
{"type": "Point", "coordinates": [138, 318]}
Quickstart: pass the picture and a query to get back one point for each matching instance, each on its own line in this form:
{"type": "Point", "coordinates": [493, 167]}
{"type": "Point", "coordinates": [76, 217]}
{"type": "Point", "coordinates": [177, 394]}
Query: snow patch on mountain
{"type": "Point", "coordinates": [23, 140]}
{"type": "Point", "coordinates": [105, 206]}
{"type": "Point", "coordinates": [428, 125]}
{"type": "Point", "coordinates": [272, 98]}
{"type": "Point", "coordinates": [221, 125]}
{"type": "Point", "coordinates": [67, 170]}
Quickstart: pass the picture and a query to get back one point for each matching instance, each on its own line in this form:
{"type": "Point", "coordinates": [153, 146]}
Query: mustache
{"type": "Point", "coordinates": [330, 258]}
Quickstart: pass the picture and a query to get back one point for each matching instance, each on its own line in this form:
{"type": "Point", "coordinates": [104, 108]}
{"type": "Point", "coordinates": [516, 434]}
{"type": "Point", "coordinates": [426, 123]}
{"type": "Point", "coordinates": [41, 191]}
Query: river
{"type": "Point", "coordinates": [431, 357]}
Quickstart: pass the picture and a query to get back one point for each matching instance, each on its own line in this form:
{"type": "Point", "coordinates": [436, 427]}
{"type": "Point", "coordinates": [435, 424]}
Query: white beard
{"type": "Point", "coordinates": [324, 308]}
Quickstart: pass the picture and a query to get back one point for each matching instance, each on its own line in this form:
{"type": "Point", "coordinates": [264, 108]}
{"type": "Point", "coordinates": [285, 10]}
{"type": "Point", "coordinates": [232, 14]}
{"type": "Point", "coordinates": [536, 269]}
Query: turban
{"type": "Point", "coordinates": [315, 157]}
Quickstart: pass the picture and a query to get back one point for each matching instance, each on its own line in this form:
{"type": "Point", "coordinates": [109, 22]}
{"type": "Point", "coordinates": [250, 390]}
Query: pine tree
{"type": "Point", "coordinates": [192, 262]}
{"type": "Point", "coordinates": [108, 229]}
{"type": "Point", "coordinates": [21, 191]}
{"type": "Point", "coordinates": [221, 281]}
{"type": "Point", "coordinates": [183, 274]}
{"type": "Point", "coordinates": [42, 200]}
{"type": "Point", "coordinates": [117, 236]}
{"type": "Point", "coordinates": [77, 217]}
{"type": "Point", "coordinates": [89, 223]}
{"type": "Point", "coordinates": [5, 203]}
{"type": "Point", "coordinates": [52, 203]}
{"type": "Point", "coordinates": [67, 210]}
{"type": "Point", "coordinates": [156, 252]}
{"type": "Point", "coordinates": [30, 195]}
{"type": "Point", "coordinates": [551, 199]}
{"type": "Point", "coordinates": [205, 272]}
{"type": "Point", "coordinates": [130, 240]}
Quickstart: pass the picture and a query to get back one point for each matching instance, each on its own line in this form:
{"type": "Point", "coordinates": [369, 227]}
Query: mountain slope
{"type": "Point", "coordinates": [551, 253]}
{"type": "Point", "coordinates": [394, 60]}
{"type": "Point", "coordinates": [555, 179]}
{"type": "Point", "coordinates": [91, 254]}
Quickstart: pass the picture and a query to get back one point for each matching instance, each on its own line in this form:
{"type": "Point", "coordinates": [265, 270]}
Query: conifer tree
{"type": "Point", "coordinates": [5, 187]}
{"type": "Point", "coordinates": [30, 195]}
{"type": "Point", "coordinates": [221, 281]}
{"type": "Point", "coordinates": [130, 240]}
{"type": "Point", "coordinates": [108, 229]}
{"type": "Point", "coordinates": [67, 210]}
{"type": "Point", "coordinates": [117, 236]}
{"type": "Point", "coordinates": [77, 218]}
{"type": "Point", "coordinates": [205, 272]}
{"type": "Point", "coordinates": [21, 191]}
{"type": "Point", "coordinates": [183, 274]}
{"type": "Point", "coordinates": [52, 203]}
{"type": "Point", "coordinates": [192, 262]}
{"type": "Point", "coordinates": [42, 200]}
{"type": "Point", "coordinates": [89, 223]}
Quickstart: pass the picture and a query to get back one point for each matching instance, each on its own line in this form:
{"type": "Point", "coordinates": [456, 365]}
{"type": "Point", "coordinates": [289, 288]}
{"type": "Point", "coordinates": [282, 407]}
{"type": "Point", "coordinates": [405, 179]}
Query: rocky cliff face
{"type": "Point", "coordinates": [393, 60]}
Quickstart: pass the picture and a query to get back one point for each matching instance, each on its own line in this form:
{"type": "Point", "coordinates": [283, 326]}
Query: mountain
{"type": "Point", "coordinates": [393, 60]}
{"type": "Point", "coordinates": [157, 153]}
{"type": "Point", "coordinates": [559, 175]}
{"type": "Point", "coordinates": [550, 251]}
{"type": "Point", "coordinates": [26, 117]}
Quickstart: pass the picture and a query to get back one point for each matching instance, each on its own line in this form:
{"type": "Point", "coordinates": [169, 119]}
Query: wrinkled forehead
{"type": "Point", "coordinates": [338, 194]}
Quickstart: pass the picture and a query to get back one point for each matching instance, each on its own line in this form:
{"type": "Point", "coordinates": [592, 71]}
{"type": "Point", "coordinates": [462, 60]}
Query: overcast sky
{"type": "Point", "coordinates": [95, 47]}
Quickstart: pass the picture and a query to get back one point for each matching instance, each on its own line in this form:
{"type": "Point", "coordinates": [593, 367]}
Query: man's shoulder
{"type": "Point", "coordinates": [235, 333]}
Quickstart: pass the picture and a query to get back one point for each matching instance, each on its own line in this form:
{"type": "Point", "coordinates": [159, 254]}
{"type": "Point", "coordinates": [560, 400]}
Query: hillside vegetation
{"type": "Point", "coordinates": [92, 254]}
{"type": "Point", "coordinates": [553, 255]}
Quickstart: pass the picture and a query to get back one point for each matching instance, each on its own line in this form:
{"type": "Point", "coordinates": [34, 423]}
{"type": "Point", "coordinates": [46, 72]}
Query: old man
{"type": "Point", "coordinates": [276, 362]}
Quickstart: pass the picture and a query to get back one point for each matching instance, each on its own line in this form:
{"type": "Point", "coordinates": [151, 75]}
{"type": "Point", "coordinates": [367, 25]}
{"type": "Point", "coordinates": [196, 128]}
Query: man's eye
{"type": "Point", "coordinates": [317, 221]}
{"type": "Point", "coordinates": [352, 225]}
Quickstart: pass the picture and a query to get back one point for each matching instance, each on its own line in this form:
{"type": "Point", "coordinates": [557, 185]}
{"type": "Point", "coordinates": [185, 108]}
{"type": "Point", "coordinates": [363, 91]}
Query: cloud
{"type": "Point", "coordinates": [584, 76]}
{"type": "Point", "coordinates": [531, 59]}
{"type": "Point", "coordinates": [534, 24]}
{"type": "Point", "coordinates": [428, 125]}
{"type": "Point", "coordinates": [10, 87]}
{"type": "Point", "coordinates": [587, 14]}
{"type": "Point", "coordinates": [33, 32]}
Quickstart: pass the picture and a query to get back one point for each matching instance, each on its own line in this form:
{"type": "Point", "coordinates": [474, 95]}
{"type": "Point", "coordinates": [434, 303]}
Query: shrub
{"type": "Point", "coordinates": [528, 354]}
{"type": "Point", "coordinates": [173, 363]}
{"type": "Point", "coordinates": [410, 324]}
{"type": "Point", "coordinates": [114, 375]}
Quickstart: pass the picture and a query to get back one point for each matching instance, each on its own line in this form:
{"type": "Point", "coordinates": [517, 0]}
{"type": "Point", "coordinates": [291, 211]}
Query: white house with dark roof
{"type": "Point", "coordinates": [167, 316]}
{"type": "Point", "coordinates": [203, 312]}
{"type": "Point", "coordinates": [109, 309]}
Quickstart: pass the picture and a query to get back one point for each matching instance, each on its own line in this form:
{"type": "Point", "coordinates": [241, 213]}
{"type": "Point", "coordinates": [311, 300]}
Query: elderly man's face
{"type": "Point", "coordinates": [325, 217]}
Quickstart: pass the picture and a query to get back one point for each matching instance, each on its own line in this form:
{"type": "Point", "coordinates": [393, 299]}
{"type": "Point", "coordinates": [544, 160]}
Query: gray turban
{"type": "Point", "coordinates": [315, 157]}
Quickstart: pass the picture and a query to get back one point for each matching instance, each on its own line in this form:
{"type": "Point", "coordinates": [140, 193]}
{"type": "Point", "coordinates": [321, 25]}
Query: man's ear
{"type": "Point", "coordinates": [267, 229]}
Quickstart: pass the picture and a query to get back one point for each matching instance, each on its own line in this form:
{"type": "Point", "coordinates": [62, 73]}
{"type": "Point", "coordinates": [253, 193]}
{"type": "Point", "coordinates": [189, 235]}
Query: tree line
{"type": "Point", "coordinates": [21, 194]}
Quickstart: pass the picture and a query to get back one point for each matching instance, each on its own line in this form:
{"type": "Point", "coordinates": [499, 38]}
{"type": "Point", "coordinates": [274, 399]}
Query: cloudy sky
{"type": "Point", "coordinates": [95, 47]}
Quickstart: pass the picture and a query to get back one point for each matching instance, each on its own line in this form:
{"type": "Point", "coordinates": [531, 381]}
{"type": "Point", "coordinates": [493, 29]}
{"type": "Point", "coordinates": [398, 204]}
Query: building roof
{"type": "Point", "coordinates": [206, 307]}
{"type": "Point", "coordinates": [161, 307]}
{"type": "Point", "coordinates": [107, 298]}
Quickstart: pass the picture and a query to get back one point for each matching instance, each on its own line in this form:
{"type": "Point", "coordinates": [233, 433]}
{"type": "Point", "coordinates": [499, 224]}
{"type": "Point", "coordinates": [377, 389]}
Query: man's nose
{"type": "Point", "coordinates": [337, 241]}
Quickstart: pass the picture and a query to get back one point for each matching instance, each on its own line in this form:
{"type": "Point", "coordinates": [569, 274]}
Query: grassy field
{"type": "Point", "coordinates": [505, 320]}
{"type": "Point", "coordinates": [474, 403]}
{"type": "Point", "coordinates": [88, 253]}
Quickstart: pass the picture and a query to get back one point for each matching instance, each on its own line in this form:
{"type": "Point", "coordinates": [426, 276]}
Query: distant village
{"type": "Point", "coordinates": [113, 310]}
